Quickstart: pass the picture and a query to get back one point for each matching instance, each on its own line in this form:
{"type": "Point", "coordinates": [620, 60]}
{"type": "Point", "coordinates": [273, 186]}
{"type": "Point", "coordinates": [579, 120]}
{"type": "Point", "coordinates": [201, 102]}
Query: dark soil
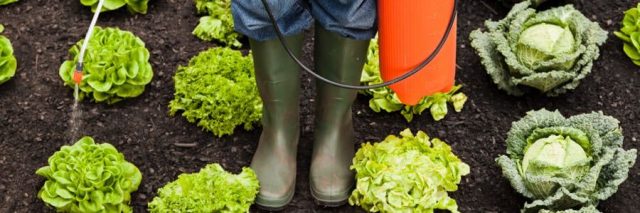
{"type": "Point", "coordinates": [35, 107]}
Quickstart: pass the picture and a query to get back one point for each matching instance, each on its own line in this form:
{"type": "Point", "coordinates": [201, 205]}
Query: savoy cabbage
{"type": "Point", "coordinates": [549, 51]}
{"type": "Point", "coordinates": [565, 163]}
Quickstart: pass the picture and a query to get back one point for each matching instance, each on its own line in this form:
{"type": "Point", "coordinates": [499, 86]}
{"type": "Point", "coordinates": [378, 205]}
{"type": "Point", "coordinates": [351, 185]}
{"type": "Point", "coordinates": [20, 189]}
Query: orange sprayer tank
{"type": "Point", "coordinates": [409, 31]}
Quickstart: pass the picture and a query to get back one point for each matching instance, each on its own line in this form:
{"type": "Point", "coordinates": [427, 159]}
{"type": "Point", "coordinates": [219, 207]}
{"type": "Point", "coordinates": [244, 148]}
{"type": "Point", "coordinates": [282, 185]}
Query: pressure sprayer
{"type": "Point", "coordinates": [408, 30]}
{"type": "Point", "coordinates": [77, 74]}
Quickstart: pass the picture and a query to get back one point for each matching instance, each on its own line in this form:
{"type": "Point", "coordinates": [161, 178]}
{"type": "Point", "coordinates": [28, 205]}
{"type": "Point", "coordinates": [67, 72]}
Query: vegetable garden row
{"type": "Point", "coordinates": [528, 56]}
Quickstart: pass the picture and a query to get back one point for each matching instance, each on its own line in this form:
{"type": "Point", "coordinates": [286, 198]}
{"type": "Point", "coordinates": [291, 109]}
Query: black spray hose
{"type": "Point", "coordinates": [366, 87]}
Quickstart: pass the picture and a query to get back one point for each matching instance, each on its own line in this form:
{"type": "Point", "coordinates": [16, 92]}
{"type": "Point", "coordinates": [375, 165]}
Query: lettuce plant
{"type": "Point", "coordinates": [410, 173]}
{"type": "Point", "coordinates": [630, 34]}
{"type": "Point", "coordinates": [89, 177]}
{"type": "Point", "coordinates": [549, 51]}
{"type": "Point", "coordinates": [134, 6]}
{"type": "Point", "coordinates": [218, 22]}
{"type": "Point", "coordinates": [116, 66]}
{"type": "Point", "coordinates": [385, 99]}
{"type": "Point", "coordinates": [5, 2]}
{"type": "Point", "coordinates": [8, 63]}
{"type": "Point", "coordinates": [211, 190]}
{"type": "Point", "coordinates": [218, 90]}
{"type": "Point", "coordinates": [565, 163]}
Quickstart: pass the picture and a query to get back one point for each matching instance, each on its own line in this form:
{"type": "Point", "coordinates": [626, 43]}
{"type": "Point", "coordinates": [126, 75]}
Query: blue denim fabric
{"type": "Point", "coordinates": [355, 19]}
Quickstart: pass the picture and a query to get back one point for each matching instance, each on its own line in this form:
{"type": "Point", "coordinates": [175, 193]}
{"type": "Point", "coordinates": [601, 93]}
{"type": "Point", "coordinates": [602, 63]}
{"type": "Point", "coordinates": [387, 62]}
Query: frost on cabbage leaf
{"type": "Point", "coordinates": [563, 164]}
{"type": "Point", "coordinates": [549, 51]}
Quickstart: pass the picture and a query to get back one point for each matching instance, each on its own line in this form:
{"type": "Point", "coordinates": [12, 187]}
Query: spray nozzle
{"type": "Point", "coordinates": [77, 74]}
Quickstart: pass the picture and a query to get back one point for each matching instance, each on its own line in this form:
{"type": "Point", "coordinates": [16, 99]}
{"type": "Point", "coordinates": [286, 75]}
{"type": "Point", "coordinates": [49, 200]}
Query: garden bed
{"type": "Point", "coordinates": [35, 107]}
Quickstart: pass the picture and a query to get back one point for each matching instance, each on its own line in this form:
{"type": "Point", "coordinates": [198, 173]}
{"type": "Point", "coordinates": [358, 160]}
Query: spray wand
{"type": "Point", "coordinates": [77, 74]}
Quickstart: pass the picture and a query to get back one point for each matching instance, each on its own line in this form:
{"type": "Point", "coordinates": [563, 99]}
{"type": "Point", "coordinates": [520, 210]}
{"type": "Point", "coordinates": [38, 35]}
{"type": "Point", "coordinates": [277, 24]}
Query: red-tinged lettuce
{"type": "Point", "coordinates": [5, 2]}
{"type": "Point", "coordinates": [217, 24]}
{"type": "Point", "coordinates": [8, 63]}
{"type": "Point", "coordinates": [116, 66]}
{"type": "Point", "coordinates": [218, 91]}
{"type": "Point", "coordinates": [410, 173]}
{"type": "Point", "coordinates": [134, 6]}
{"type": "Point", "coordinates": [548, 52]}
{"type": "Point", "coordinates": [89, 177]}
{"type": "Point", "coordinates": [211, 190]}
{"type": "Point", "coordinates": [563, 164]}
{"type": "Point", "coordinates": [630, 34]}
{"type": "Point", "coordinates": [385, 99]}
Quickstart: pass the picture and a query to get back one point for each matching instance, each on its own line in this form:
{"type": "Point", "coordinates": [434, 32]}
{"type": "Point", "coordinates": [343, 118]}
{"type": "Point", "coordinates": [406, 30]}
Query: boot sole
{"type": "Point", "coordinates": [330, 202]}
{"type": "Point", "coordinates": [274, 205]}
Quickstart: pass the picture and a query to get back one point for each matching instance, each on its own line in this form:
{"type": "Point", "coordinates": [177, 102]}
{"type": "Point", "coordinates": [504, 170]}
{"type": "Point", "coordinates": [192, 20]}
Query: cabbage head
{"type": "Point", "coordinates": [8, 62]}
{"type": "Point", "coordinates": [89, 177]}
{"type": "Point", "coordinates": [564, 164]}
{"type": "Point", "coordinates": [116, 66]}
{"type": "Point", "coordinates": [549, 51]}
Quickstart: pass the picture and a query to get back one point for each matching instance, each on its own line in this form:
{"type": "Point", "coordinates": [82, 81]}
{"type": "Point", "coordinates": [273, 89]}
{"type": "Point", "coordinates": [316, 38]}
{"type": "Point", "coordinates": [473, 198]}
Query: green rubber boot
{"type": "Point", "coordinates": [278, 80]}
{"type": "Point", "coordinates": [339, 59]}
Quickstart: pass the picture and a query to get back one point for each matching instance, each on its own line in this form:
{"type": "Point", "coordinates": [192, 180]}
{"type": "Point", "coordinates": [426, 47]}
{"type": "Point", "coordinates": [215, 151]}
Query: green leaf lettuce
{"type": "Point", "coordinates": [116, 66]}
{"type": "Point", "coordinates": [218, 90]}
{"type": "Point", "coordinates": [630, 34]}
{"type": "Point", "coordinates": [211, 190]}
{"type": "Point", "coordinates": [89, 177]}
{"type": "Point", "coordinates": [410, 173]}
{"type": "Point", "coordinates": [134, 6]}
{"type": "Point", "coordinates": [8, 62]}
{"type": "Point", "coordinates": [385, 99]}
{"type": "Point", "coordinates": [217, 24]}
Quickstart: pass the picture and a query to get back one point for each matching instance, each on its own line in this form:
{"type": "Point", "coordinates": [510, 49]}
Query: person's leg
{"type": "Point", "coordinates": [278, 80]}
{"type": "Point", "coordinates": [341, 40]}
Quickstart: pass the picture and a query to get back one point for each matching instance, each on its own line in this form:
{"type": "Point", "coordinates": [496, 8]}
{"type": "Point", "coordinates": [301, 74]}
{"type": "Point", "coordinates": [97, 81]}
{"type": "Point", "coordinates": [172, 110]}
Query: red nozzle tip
{"type": "Point", "coordinates": [77, 77]}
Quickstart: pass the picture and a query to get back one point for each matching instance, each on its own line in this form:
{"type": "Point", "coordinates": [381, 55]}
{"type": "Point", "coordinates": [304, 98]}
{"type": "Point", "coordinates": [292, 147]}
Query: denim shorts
{"type": "Point", "coordinates": [356, 19]}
